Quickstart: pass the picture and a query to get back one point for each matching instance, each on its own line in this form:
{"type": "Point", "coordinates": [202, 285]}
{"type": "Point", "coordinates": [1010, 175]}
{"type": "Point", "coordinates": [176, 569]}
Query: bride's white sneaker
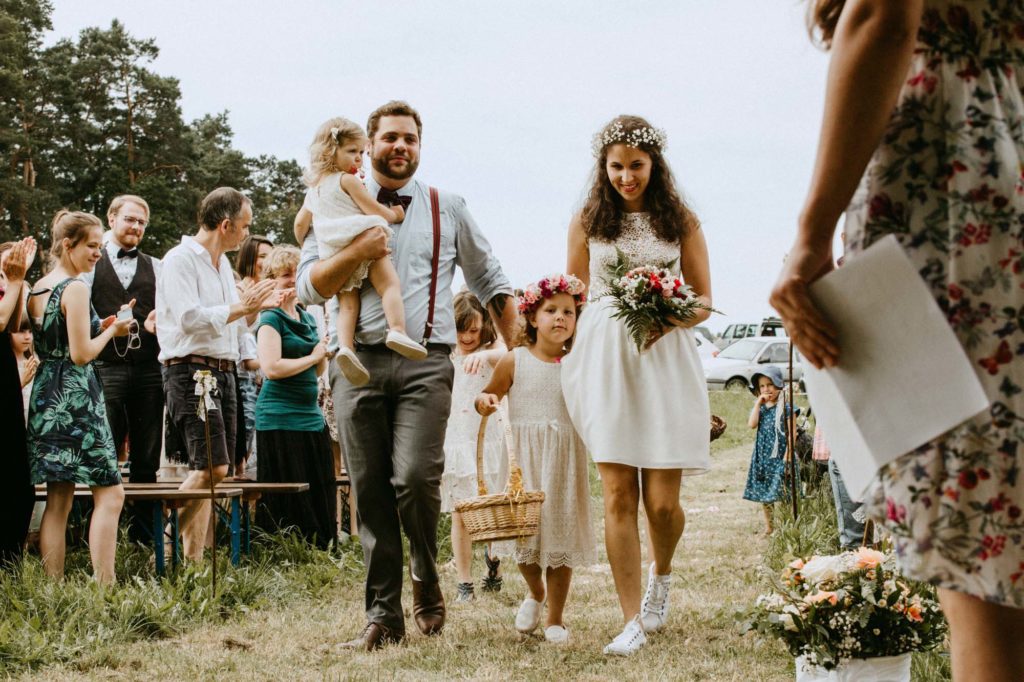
{"type": "Point", "coordinates": [351, 368]}
{"type": "Point", "coordinates": [404, 346]}
{"type": "Point", "coordinates": [628, 641]}
{"type": "Point", "coordinates": [654, 608]}
{"type": "Point", "coordinates": [528, 616]}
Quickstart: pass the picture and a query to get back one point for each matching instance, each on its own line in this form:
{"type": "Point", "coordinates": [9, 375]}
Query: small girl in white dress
{"type": "Point", "coordinates": [478, 350]}
{"type": "Point", "coordinates": [341, 209]}
{"type": "Point", "coordinates": [551, 453]}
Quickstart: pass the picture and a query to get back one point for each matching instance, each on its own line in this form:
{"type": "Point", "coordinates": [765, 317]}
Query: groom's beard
{"type": "Point", "coordinates": [382, 166]}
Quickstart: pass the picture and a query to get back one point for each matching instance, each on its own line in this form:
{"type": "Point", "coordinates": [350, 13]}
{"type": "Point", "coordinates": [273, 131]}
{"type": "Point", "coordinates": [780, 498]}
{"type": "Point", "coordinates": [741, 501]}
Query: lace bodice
{"type": "Point", "coordinates": [536, 394]}
{"type": "Point", "coordinates": [638, 242]}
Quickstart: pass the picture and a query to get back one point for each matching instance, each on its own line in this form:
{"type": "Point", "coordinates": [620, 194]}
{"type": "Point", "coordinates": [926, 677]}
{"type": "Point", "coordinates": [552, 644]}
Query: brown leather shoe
{"type": "Point", "coordinates": [374, 636]}
{"type": "Point", "coordinates": [428, 607]}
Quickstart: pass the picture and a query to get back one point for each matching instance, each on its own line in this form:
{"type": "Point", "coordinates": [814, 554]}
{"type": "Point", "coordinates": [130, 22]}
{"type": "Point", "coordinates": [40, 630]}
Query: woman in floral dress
{"type": "Point", "coordinates": [938, 124]}
{"type": "Point", "coordinates": [69, 439]}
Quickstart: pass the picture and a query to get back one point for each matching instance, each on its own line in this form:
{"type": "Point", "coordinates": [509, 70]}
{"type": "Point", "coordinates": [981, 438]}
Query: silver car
{"type": "Point", "coordinates": [732, 368]}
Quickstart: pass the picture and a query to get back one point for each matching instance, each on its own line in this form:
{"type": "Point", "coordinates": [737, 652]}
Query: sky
{"type": "Point", "coordinates": [511, 93]}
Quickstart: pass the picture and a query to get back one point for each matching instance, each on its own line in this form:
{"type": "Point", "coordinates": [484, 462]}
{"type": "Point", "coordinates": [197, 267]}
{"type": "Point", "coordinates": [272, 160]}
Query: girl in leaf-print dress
{"type": "Point", "coordinates": [938, 123]}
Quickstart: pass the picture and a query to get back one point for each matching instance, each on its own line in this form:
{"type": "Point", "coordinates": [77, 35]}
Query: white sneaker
{"type": "Point", "coordinates": [528, 616]}
{"type": "Point", "coordinates": [628, 641]}
{"type": "Point", "coordinates": [404, 346]}
{"type": "Point", "coordinates": [556, 634]}
{"type": "Point", "coordinates": [654, 608]}
{"type": "Point", "coordinates": [351, 368]}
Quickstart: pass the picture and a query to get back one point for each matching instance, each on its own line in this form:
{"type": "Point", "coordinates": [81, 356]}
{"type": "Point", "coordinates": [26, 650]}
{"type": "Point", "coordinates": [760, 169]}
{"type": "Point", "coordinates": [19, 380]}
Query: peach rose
{"type": "Point", "coordinates": [869, 558]}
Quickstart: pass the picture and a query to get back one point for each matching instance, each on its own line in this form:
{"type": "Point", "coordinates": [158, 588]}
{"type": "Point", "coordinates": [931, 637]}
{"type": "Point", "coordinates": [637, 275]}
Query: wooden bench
{"type": "Point", "coordinates": [169, 500]}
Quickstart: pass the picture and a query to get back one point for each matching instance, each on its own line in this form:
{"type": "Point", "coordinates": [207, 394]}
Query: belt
{"type": "Point", "coordinates": [215, 363]}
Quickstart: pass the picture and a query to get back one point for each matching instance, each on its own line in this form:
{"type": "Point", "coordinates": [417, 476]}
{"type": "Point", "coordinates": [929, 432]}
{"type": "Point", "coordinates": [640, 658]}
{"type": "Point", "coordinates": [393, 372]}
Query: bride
{"type": "Point", "coordinates": [643, 416]}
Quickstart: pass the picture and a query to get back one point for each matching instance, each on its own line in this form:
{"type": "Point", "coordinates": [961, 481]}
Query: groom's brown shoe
{"type": "Point", "coordinates": [374, 636]}
{"type": "Point", "coordinates": [428, 607]}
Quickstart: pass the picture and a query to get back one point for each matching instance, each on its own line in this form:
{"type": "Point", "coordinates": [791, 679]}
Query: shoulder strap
{"type": "Point", "coordinates": [435, 214]}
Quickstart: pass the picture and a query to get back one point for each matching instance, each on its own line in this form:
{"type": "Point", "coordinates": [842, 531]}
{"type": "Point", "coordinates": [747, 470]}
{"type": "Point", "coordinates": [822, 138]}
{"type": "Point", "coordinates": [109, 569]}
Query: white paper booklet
{"type": "Point", "coordinates": [902, 378]}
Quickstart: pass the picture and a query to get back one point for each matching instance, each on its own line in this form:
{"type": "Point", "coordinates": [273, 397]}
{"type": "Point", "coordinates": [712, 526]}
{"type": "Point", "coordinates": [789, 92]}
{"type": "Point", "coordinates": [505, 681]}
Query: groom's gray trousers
{"type": "Point", "coordinates": [392, 437]}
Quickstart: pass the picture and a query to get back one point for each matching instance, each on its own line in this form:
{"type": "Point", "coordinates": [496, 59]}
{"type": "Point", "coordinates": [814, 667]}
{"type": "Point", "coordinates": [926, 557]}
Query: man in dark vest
{"type": "Point", "coordinates": [128, 368]}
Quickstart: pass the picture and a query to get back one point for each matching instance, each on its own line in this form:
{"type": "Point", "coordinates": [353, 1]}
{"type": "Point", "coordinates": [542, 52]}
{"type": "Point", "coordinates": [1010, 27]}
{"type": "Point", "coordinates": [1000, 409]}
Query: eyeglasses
{"type": "Point", "coordinates": [132, 220]}
{"type": "Point", "coordinates": [134, 342]}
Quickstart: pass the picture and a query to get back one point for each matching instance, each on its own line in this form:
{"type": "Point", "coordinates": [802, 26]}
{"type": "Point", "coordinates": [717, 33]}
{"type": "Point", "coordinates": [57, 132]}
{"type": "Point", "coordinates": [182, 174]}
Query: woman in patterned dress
{"type": "Point", "coordinates": [937, 121]}
{"type": "Point", "coordinates": [69, 439]}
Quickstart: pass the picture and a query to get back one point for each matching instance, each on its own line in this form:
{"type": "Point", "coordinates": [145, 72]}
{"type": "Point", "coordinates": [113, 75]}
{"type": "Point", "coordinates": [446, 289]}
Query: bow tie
{"type": "Point", "coordinates": [121, 253]}
{"type": "Point", "coordinates": [390, 197]}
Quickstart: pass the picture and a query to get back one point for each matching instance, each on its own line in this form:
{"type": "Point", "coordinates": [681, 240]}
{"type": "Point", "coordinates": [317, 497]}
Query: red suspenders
{"type": "Point", "coordinates": [435, 213]}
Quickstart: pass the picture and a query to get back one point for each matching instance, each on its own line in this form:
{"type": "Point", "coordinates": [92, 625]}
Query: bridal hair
{"type": "Point", "coordinates": [331, 134]}
{"type": "Point", "coordinates": [822, 17]}
{"type": "Point", "coordinates": [74, 226]}
{"type": "Point", "coordinates": [602, 211]}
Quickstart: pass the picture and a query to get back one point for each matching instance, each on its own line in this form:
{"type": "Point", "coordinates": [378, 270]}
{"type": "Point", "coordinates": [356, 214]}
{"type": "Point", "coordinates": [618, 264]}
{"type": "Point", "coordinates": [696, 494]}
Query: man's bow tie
{"type": "Point", "coordinates": [121, 253]}
{"type": "Point", "coordinates": [390, 197]}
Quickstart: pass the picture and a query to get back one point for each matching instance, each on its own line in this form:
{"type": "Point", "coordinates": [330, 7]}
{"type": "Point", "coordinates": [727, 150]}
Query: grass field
{"type": "Point", "coordinates": [282, 615]}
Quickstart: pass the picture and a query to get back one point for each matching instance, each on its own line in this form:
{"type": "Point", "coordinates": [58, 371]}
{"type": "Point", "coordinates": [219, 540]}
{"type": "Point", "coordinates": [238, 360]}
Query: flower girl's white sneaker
{"type": "Point", "coordinates": [351, 368]}
{"type": "Point", "coordinates": [404, 346]}
{"type": "Point", "coordinates": [528, 616]}
{"type": "Point", "coordinates": [628, 641]}
{"type": "Point", "coordinates": [654, 608]}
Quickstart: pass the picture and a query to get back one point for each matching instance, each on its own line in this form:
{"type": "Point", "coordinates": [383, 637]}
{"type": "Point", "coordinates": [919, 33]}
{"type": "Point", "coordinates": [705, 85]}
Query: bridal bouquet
{"type": "Point", "coordinates": [832, 609]}
{"type": "Point", "coordinates": [648, 298]}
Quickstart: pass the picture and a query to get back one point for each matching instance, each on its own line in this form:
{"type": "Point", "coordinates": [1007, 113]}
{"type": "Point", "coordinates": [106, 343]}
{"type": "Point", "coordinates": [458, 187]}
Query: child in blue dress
{"type": "Point", "coordinates": [767, 475]}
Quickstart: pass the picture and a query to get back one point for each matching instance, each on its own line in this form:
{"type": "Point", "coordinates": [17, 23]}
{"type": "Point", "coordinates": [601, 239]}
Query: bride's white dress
{"type": "Point", "coordinates": [648, 410]}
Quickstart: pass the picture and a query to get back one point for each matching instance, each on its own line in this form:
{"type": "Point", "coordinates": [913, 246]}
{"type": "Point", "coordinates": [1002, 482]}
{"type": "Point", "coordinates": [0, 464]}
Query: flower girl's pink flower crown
{"type": "Point", "coordinates": [547, 287]}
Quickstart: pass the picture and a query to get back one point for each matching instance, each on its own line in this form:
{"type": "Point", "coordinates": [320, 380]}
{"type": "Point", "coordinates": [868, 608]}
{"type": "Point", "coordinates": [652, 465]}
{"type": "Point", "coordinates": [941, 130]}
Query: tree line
{"type": "Point", "coordinates": [87, 119]}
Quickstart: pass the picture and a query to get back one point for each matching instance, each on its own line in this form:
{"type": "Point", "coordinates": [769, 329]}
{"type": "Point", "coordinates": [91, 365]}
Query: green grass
{"type": "Point", "coordinates": [281, 614]}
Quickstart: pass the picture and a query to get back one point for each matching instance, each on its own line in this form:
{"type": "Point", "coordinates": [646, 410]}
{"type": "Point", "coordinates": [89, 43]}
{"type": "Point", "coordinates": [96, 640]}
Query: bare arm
{"type": "Point", "coordinates": [268, 348]}
{"type": "Point", "coordinates": [301, 225]}
{"type": "Point", "coordinates": [328, 275]}
{"type": "Point", "coordinates": [503, 311]}
{"type": "Point", "coordinates": [871, 51]}
{"type": "Point", "coordinates": [755, 414]}
{"type": "Point", "coordinates": [75, 306]}
{"type": "Point", "coordinates": [578, 260]}
{"type": "Point", "coordinates": [355, 188]}
{"type": "Point", "coordinates": [497, 387]}
{"type": "Point", "coordinates": [693, 261]}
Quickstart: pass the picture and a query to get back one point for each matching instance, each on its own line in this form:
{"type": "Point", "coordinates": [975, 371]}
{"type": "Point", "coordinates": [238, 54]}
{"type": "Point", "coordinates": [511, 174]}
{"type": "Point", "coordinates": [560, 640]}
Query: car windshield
{"type": "Point", "coordinates": [742, 350]}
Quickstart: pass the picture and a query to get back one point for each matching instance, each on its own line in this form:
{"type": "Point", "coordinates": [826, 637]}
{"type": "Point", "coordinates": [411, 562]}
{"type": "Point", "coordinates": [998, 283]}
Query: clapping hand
{"type": "Point", "coordinates": [150, 323]}
{"type": "Point", "coordinates": [486, 403]}
{"type": "Point", "coordinates": [28, 370]}
{"type": "Point", "coordinates": [19, 260]}
{"type": "Point", "coordinates": [319, 350]}
{"type": "Point", "coordinates": [262, 296]}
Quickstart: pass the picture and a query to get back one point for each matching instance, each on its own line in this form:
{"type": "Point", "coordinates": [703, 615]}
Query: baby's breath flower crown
{"type": "Point", "coordinates": [635, 137]}
{"type": "Point", "coordinates": [547, 287]}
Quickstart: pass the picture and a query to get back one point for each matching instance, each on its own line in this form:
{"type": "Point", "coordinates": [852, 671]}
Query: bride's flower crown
{"type": "Point", "coordinates": [637, 137]}
{"type": "Point", "coordinates": [547, 287]}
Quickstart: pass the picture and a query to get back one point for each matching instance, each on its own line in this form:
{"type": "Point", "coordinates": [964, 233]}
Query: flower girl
{"type": "Point", "coordinates": [552, 454]}
{"type": "Point", "coordinates": [341, 209]}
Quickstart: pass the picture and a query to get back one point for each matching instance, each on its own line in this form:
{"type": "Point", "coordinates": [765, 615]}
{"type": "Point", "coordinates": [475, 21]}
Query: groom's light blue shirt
{"type": "Point", "coordinates": [462, 244]}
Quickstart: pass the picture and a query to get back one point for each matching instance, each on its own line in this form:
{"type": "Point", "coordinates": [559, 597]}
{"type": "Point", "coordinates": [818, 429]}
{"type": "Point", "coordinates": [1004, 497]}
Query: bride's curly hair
{"type": "Point", "coordinates": [602, 212]}
{"type": "Point", "coordinates": [822, 17]}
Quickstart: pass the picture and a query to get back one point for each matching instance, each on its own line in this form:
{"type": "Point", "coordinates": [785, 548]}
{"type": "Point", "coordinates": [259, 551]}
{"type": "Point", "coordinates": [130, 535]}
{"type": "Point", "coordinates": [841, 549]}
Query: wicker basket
{"type": "Point", "coordinates": [717, 426]}
{"type": "Point", "coordinates": [512, 514]}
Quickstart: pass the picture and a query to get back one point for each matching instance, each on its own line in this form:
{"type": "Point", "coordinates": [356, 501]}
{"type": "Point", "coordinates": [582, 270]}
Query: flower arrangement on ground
{"type": "Point", "coordinates": [649, 298]}
{"type": "Point", "coordinates": [854, 605]}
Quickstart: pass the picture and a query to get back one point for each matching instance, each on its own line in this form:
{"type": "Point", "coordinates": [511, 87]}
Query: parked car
{"type": "Point", "coordinates": [769, 326]}
{"type": "Point", "coordinates": [732, 368]}
{"type": "Point", "coordinates": [705, 349]}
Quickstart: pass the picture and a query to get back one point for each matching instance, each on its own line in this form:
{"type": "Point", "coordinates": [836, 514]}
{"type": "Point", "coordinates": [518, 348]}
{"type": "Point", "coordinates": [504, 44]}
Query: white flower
{"type": "Point", "coordinates": [822, 568]}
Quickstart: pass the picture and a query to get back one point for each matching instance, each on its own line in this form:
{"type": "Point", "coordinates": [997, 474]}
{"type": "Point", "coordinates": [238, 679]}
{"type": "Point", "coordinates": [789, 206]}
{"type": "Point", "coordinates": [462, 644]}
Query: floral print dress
{"type": "Point", "coordinates": [948, 181]}
{"type": "Point", "coordinates": [69, 438]}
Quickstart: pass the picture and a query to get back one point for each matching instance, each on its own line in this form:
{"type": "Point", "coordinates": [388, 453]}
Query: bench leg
{"type": "Point", "coordinates": [175, 550]}
{"type": "Point", "coordinates": [158, 537]}
{"type": "Point", "coordinates": [236, 513]}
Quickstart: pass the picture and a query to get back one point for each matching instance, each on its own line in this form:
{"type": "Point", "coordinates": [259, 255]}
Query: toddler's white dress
{"type": "Point", "coordinates": [553, 459]}
{"type": "Point", "coordinates": [458, 482]}
{"type": "Point", "coordinates": [647, 410]}
{"type": "Point", "coordinates": [337, 221]}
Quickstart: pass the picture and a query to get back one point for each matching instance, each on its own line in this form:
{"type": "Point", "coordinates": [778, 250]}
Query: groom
{"type": "Point", "coordinates": [392, 429]}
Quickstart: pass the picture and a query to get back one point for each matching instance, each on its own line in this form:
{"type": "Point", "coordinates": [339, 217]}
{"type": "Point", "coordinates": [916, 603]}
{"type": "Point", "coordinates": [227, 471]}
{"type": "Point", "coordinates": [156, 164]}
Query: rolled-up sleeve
{"type": "Point", "coordinates": [482, 271]}
{"type": "Point", "coordinates": [304, 289]}
{"type": "Point", "coordinates": [178, 277]}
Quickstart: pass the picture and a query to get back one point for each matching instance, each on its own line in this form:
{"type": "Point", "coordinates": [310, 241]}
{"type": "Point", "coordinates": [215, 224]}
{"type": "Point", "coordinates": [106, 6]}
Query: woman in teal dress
{"type": "Point", "coordinates": [291, 435]}
{"type": "Point", "coordinates": [69, 439]}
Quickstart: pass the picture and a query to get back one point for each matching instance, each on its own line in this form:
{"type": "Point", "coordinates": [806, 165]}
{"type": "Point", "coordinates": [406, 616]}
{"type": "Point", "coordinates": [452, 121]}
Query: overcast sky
{"type": "Point", "coordinates": [511, 94]}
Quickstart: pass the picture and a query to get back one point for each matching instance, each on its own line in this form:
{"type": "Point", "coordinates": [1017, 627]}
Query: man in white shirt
{"type": "Point", "coordinates": [197, 314]}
